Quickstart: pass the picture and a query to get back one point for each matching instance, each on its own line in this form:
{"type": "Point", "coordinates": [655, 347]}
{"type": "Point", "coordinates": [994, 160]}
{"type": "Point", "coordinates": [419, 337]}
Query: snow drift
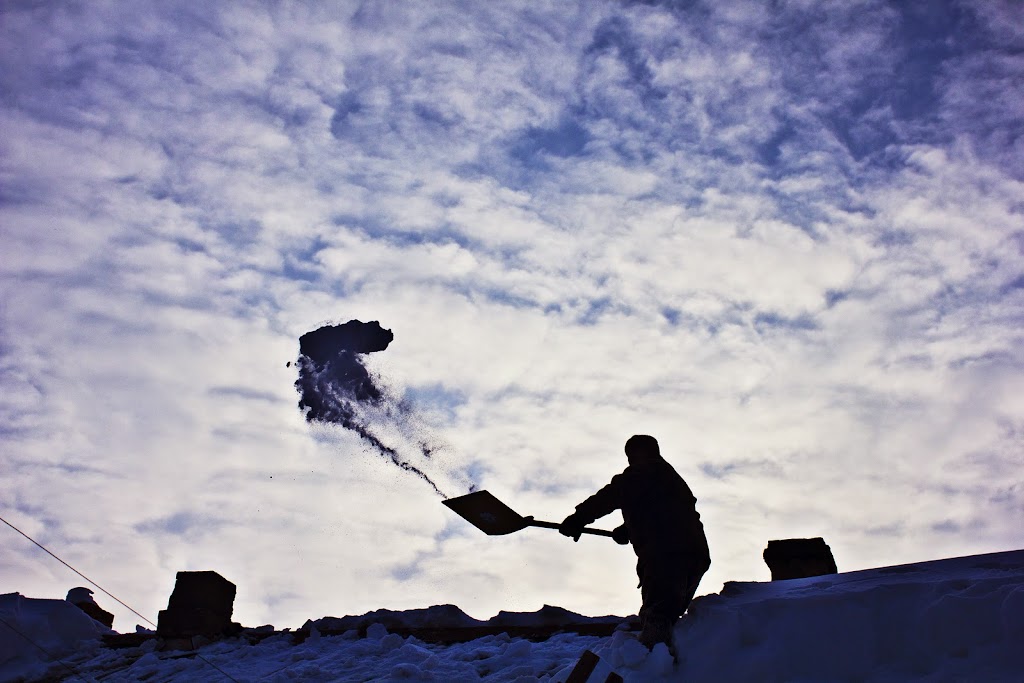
{"type": "Point", "coordinates": [946, 620]}
{"type": "Point", "coordinates": [37, 633]}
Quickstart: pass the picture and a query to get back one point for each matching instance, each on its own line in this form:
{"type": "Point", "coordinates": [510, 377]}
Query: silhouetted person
{"type": "Point", "coordinates": [662, 523]}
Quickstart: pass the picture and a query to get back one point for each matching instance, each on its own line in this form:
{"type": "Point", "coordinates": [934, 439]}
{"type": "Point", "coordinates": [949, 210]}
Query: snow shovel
{"type": "Point", "coordinates": [494, 518]}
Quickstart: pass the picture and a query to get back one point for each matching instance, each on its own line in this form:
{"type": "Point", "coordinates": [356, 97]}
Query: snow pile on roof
{"type": "Point", "coordinates": [437, 615]}
{"type": "Point", "coordinates": [959, 619]}
{"type": "Point", "coordinates": [450, 616]}
{"type": "Point", "coordinates": [36, 633]}
{"type": "Point", "coordinates": [548, 616]}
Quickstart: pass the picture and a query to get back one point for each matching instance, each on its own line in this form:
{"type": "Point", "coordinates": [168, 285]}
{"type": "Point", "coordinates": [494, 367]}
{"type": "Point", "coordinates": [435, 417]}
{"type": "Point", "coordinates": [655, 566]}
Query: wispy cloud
{"type": "Point", "coordinates": [787, 243]}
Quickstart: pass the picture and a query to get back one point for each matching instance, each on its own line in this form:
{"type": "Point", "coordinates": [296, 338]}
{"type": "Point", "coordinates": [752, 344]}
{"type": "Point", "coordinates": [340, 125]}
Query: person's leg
{"type": "Point", "coordinates": [689, 589]}
{"type": "Point", "coordinates": [667, 589]}
{"type": "Point", "coordinates": [662, 602]}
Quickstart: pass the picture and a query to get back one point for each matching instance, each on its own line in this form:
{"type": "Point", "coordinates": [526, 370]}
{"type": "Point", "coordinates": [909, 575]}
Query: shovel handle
{"type": "Point", "coordinates": [552, 525]}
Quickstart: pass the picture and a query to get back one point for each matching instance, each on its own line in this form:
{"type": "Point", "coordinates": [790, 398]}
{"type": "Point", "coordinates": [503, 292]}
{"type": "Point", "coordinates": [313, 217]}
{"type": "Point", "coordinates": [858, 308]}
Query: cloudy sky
{"type": "Point", "coordinates": [786, 238]}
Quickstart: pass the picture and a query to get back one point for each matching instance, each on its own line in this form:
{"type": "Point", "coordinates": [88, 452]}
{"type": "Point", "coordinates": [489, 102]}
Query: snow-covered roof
{"type": "Point", "coordinates": [954, 619]}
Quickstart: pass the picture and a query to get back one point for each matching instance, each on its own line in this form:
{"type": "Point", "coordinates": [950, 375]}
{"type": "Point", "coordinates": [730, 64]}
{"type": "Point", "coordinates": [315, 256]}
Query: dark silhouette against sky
{"type": "Point", "coordinates": [661, 522]}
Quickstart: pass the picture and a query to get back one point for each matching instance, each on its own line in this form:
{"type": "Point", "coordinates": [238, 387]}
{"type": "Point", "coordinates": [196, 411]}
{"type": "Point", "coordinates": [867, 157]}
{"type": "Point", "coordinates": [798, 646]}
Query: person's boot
{"type": "Point", "coordinates": [659, 631]}
{"type": "Point", "coordinates": [656, 631]}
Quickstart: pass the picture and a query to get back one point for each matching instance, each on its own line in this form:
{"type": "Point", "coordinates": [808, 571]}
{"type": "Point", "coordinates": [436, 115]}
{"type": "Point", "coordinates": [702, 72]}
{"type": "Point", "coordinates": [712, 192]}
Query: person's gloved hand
{"type": "Point", "coordinates": [572, 526]}
{"type": "Point", "coordinates": [620, 535]}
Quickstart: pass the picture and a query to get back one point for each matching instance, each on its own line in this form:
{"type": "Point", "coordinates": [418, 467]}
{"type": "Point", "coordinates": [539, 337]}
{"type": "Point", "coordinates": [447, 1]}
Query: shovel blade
{"type": "Point", "coordinates": [487, 513]}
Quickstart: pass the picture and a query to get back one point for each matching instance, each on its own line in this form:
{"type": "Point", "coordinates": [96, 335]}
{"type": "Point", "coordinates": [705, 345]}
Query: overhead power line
{"type": "Point", "coordinates": [42, 649]}
{"type": "Point", "coordinates": [126, 606]}
{"type": "Point", "coordinates": [77, 572]}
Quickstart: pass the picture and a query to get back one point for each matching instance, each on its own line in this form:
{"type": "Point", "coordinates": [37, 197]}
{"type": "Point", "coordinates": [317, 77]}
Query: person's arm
{"type": "Point", "coordinates": [607, 500]}
{"type": "Point", "coordinates": [604, 502]}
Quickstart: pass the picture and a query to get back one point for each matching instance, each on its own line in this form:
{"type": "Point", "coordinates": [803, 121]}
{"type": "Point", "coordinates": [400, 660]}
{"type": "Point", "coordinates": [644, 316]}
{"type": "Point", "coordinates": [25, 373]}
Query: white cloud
{"type": "Point", "coordinates": [725, 230]}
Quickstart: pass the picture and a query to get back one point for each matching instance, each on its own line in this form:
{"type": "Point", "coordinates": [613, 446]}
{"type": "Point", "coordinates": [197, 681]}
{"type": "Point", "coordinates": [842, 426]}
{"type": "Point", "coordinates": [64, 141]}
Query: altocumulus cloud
{"type": "Point", "coordinates": [787, 243]}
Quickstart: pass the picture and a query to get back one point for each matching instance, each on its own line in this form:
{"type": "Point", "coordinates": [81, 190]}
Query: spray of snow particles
{"type": "Point", "coordinates": [335, 387]}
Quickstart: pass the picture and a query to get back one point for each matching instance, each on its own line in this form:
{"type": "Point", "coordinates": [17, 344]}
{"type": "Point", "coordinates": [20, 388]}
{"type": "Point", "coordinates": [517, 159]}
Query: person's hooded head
{"type": "Point", "coordinates": [641, 448]}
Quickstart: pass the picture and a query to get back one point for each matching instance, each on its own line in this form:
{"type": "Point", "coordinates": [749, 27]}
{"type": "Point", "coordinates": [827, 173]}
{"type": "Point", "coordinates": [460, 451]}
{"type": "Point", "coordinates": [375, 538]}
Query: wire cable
{"type": "Point", "coordinates": [40, 545]}
{"type": "Point", "coordinates": [46, 652]}
{"type": "Point", "coordinates": [78, 572]}
{"type": "Point", "coordinates": [222, 671]}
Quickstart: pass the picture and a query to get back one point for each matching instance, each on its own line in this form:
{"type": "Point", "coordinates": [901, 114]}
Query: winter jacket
{"type": "Point", "coordinates": [659, 512]}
